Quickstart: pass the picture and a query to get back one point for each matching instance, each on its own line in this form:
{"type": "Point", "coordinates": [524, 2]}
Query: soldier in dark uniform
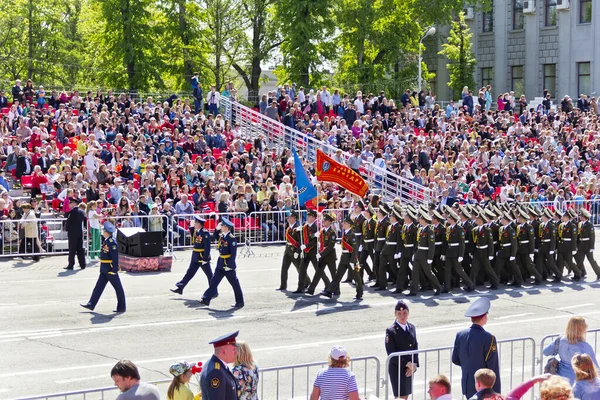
{"type": "Point", "coordinates": [475, 348]}
{"type": "Point", "coordinates": [484, 251]}
{"type": "Point", "coordinates": [465, 222]}
{"type": "Point", "coordinates": [408, 245]}
{"type": "Point", "coordinates": [507, 252]}
{"type": "Point", "coordinates": [495, 229]}
{"type": "Point", "coordinates": [309, 250]}
{"type": "Point", "coordinates": [200, 255]}
{"type": "Point", "coordinates": [326, 256]}
{"type": "Point", "coordinates": [216, 380]}
{"type": "Point", "coordinates": [109, 271]}
{"type": "Point", "coordinates": [368, 246]}
{"type": "Point", "coordinates": [526, 247]}
{"type": "Point", "coordinates": [455, 250]}
{"type": "Point", "coordinates": [387, 258]}
{"type": "Point", "coordinates": [348, 262]}
{"type": "Point", "coordinates": [586, 238]}
{"type": "Point", "coordinates": [547, 235]}
{"type": "Point", "coordinates": [400, 337]}
{"type": "Point", "coordinates": [535, 222]}
{"type": "Point", "coordinates": [358, 220]}
{"type": "Point", "coordinates": [380, 232]}
{"type": "Point", "coordinates": [567, 245]}
{"type": "Point", "coordinates": [439, 256]}
{"type": "Point", "coordinates": [76, 219]}
{"type": "Point", "coordinates": [292, 252]}
{"type": "Point", "coordinates": [226, 265]}
{"type": "Point", "coordinates": [423, 258]}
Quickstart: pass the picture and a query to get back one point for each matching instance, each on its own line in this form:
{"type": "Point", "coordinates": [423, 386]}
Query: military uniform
{"type": "Point", "coordinates": [567, 245]}
{"type": "Point", "coordinates": [368, 246]}
{"type": "Point", "coordinates": [381, 227]}
{"type": "Point", "coordinates": [309, 249]}
{"type": "Point", "coordinates": [408, 247]}
{"type": "Point", "coordinates": [455, 239]}
{"type": "Point", "coordinates": [469, 246]}
{"type": "Point", "coordinates": [216, 380]}
{"type": "Point", "coordinates": [401, 339]}
{"type": "Point", "coordinates": [291, 254]}
{"type": "Point", "coordinates": [484, 250]}
{"type": "Point", "coordinates": [526, 248]}
{"type": "Point", "coordinates": [200, 257]}
{"type": "Point", "coordinates": [327, 258]}
{"type": "Point", "coordinates": [507, 254]}
{"type": "Point", "coordinates": [423, 259]}
{"type": "Point", "coordinates": [585, 247]}
{"type": "Point", "coordinates": [547, 235]}
{"type": "Point", "coordinates": [439, 232]}
{"type": "Point", "coordinates": [387, 260]}
{"type": "Point", "coordinates": [348, 262]}
{"type": "Point", "coordinates": [226, 267]}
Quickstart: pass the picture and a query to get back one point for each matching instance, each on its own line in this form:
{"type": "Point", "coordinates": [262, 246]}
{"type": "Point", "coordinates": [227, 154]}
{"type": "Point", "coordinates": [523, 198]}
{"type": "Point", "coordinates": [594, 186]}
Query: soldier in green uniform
{"type": "Point", "coordinates": [507, 251]}
{"type": "Point", "coordinates": [368, 237]}
{"type": "Point", "coordinates": [358, 219]}
{"type": "Point", "coordinates": [526, 247]}
{"type": "Point", "coordinates": [387, 258]}
{"type": "Point", "coordinates": [326, 256]}
{"type": "Point", "coordinates": [465, 222]}
{"type": "Point", "coordinates": [309, 249]}
{"type": "Point", "coordinates": [585, 244]}
{"type": "Point", "coordinates": [423, 258]}
{"type": "Point", "coordinates": [535, 222]}
{"type": "Point", "coordinates": [348, 262]}
{"type": "Point", "coordinates": [455, 250]}
{"type": "Point", "coordinates": [439, 232]}
{"type": "Point", "coordinates": [567, 245]}
{"type": "Point", "coordinates": [408, 246]}
{"type": "Point", "coordinates": [547, 235]}
{"type": "Point", "coordinates": [380, 231]}
{"type": "Point", "coordinates": [484, 251]}
{"type": "Point", "coordinates": [291, 254]}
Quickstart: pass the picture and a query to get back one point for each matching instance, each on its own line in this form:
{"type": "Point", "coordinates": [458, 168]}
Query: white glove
{"type": "Point", "coordinates": [396, 256]}
{"type": "Point", "coordinates": [299, 229]}
{"type": "Point", "coordinates": [360, 248]}
{"type": "Point", "coordinates": [512, 258]}
{"type": "Point", "coordinates": [551, 252]}
{"type": "Point", "coordinates": [591, 250]}
{"type": "Point", "coordinates": [443, 257]}
{"type": "Point", "coordinates": [296, 255]}
{"type": "Point", "coordinates": [491, 258]}
{"type": "Point", "coordinates": [460, 259]}
{"type": "Point", "coordinates": [317, 234]}
{"type": "Point", "coordinates": [536, 250]}
{"type": "Point", "coordinates": [218, 227]}
{"type": "Point", "coordinates": [412, 259]}
{"type": "Point", "coordinates": [303, 247]}
{"type": "Point", "coordinates": [531, 257]}
{"type": "Point", "coordinates": [429, 262]}
{"type": "Point", "coordinates": [318, 256]}
{"type": "Point", "coordinates": [574, 252]}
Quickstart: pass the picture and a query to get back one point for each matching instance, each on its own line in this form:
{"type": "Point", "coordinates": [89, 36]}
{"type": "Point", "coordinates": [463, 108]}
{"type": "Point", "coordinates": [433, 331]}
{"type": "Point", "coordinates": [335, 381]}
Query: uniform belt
{"type": "Point", "coordinates": [584, 239]}
{"type": "Point", "coordinates": [409, 245]}
{"type": "Point", "coordinates": [546, 240]}
{"type": "Point", "coordinates": [482, 247]}
{"type": "Point", "coordinates": [106, 261]}
{"type": "Point", "coordinates": [566, 239]}
{"type": "Point", "coordinates": [380, 239]}
{"type": "Point", "coordinates": [225, 256]}
{"type": "Point", "coordinates": [523, 241]}
{"type": "Point", "coordinates": [506, 244]}
{"type": "Point", "coordinates": [199, 250]}
{"type": "Point", "coordinates": [453, 244]}
{"type": "Point", "coordinates": [391, 243]}
{"type": "Point", "coordinates": [438, 243]}
{"type": "Point", "coordinates": [369, 240]}
{"type": "Point", "coordinates": [423, 248]}
{"type": "Point", "coordinates": [345, 252]}
{"type": "Point", "coordinates": [495, 242]}
{"type": "Point", "coordinates": [358, 234]}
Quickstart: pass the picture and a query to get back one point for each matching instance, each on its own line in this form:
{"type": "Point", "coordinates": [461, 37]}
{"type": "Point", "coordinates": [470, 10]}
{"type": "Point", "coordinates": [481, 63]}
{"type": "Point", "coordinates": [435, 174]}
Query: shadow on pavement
{"type": "Point", "coordinates": [68, 272]}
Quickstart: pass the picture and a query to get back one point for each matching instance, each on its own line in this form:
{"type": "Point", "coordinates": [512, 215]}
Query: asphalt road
{"type": "Point", "coordinates": [48, 343]}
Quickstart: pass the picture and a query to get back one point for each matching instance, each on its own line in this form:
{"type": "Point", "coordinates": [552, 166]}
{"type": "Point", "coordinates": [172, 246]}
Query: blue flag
{"type": "Point", "coordinates": [306, 191]}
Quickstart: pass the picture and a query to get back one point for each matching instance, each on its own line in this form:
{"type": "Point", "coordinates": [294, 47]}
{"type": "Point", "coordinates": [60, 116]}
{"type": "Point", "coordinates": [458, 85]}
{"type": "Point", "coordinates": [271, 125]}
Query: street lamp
{"type": "Point", "coordinates": [428, 32]}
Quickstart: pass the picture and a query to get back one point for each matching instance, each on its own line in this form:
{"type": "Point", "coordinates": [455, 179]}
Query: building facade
{"type": "Point", "coordinates": [528, 46]}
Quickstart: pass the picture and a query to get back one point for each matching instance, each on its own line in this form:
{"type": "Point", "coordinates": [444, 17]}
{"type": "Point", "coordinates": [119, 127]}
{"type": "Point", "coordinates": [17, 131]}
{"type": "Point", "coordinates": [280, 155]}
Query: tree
{"type": "Point", "coordinates": [459, 52]}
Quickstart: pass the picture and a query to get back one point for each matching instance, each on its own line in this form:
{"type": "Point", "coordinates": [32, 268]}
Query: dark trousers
{"type": "Point", "coordinates": [195, 264]}
{"type": "Point", "coordinates": [526, 266]}
{"type": "Point", "coordinates": [288, 259]}
{"type": "Point", "coordinates": [115, 281]}
{"type": "Point", "coordinates": [231, 276]}
{"type": "Point", "coordinates": [310, 257]}
{"type": "Point", "coordinates": [565, 257]}
{"type": "Point", "coordinates": [501, 263]}
{"type": "Point", "coordinates": [481, 260]}
{"type": "Point", "coordinates": [452, 265]}
{"type": "Point", "coordinates": [76, 248]}
{"type": "Point", "coordinates": [365, 254]}
{"type": "Point", "coordinates": [580, 257]}
{"type": "Point", "coordinates": [334, 287]}
{"type": "Point", "coordinates": [387, 264]}
{"type": "Point", "coordinates": [28, 246]}
{"type": "Point", "coordinates": [328, 262]}
{"type": "Point", "coordinates": [546, 264]}
{"type": "Point", "coordinates": [404, 272]}
{"type": "Point", "coordinates": [376, 261]}
{"type": "Point", "coordinates": [420, 264]}
{"type": "Point", "coordinates": [213, 109]}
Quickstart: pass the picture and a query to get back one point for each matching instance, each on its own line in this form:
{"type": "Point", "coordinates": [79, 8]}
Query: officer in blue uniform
{"type": "Point", "coordinates": [109, 271]}
{"type": "Point", "coordinates": [226, 267]}
{"type": "Point", "coordinates": [200, 255]}
{"type": "Point", "coordinates": [475, 348]}
{"type": "Point", "coordinates": [216, 380]}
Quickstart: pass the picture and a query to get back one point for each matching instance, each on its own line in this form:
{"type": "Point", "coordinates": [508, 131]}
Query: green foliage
{"type": "Point", "coordinates": [459, 52]}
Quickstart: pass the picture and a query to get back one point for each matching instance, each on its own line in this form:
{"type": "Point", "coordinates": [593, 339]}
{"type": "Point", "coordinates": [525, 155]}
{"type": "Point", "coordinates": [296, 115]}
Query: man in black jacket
{"type": "Point", "coordinates": [74, 226]}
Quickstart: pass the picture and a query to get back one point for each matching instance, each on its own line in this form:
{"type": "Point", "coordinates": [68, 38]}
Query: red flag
{"type": "Point", "coordinates": [330, 170]}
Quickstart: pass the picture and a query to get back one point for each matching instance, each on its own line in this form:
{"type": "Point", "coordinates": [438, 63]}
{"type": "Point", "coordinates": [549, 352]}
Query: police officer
{"type": "Point", "coordinates": [401, 336]}
{"type": "Point", "coordinates": [475, 348]}
{"type": "Point", "coordinates": [291, 254]}
{"type": "Point", "coordinates": [547, 234]}
{"type": "Point", "coordinates": [409, 243]}
{"type": "Point", "coordinates": [423, 258]}
{"type": "Point", "coordinates": [484, 251]}
{"type": "Point", "coordinates": [216, 380]}
{"type": "Point", "coordinates": [368, 243]}
{"type": "Point", "coordinates": [309, 249]}
{"type": "Point", "coordinates": [507, 252]}
{"type": "Point", "coordinates": [380, 232]}
{"type": "Point", "coordinates": [585, 244]}
{"type": "Point", "coordinates": [226, 266]}
{"type": "Point", "coordinates": [326, 256]}
{"type": "Point", "coordinates": [526, 247]}
{"type": "Point", "coordinates": [348, 262]}
{"type": "Point", "coordinates": [74, 226]}
{"type": "Point", "coordinates": [455, 250]}
{"type": "Point", "coordinates": [109, 271]}
{"type": "Point", "coordinates": [567, 244]}
{"type": "Point", "coordinates": [389, 254]}
{"type": "Point", "coordinates": [200, 255]}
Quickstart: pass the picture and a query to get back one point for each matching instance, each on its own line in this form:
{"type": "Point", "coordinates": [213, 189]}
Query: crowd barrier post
{"type": "Point", "coordinates": [51, 238]}
{"type": "Point", "coordinates": [591, 205]}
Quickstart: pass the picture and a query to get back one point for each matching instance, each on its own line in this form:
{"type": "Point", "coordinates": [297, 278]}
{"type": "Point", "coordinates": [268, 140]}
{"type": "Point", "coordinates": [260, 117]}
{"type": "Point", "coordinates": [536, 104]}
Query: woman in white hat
{"type": "Point", "coordinates": [336, 381]}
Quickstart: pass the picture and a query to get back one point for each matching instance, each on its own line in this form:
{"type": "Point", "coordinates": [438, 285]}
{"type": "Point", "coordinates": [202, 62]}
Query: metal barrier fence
{"type": "Point", "coordinates": [549, 340]}
{"type": "Point", "coordinates": [17, 237]}
{"type": "Point", "coordinates": [516, 360]}
{"type": "Point", "coordinates": [149, 223]}
{"type": "Point", "coordinates": [591, 205]}
{"type": "Point", "coordinates": [181, 236]}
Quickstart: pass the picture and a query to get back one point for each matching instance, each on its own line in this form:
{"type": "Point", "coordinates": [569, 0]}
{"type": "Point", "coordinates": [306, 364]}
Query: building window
{"type": "Point", "coordinates": [550, 79]}
{"type": "Point", "coordinates": [517, 76]}
{"type": "Point", "coordinates": [488, 20]}
{"type": "Point", "coordinates": [585, 11]}
{"type": "Point", "coordinates": [487, 75]}
{"type": "Point", "coordinates": [583, 78]}
{"type": "Point", "coordinates": [550, 13]}
{"type": "Point", "coordinates": [518, 21]}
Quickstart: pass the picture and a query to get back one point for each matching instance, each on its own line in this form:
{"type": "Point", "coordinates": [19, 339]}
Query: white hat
{"type": "Point", "coordinates": [338, 352]}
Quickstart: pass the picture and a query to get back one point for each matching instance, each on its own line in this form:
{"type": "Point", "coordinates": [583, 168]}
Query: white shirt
{"type": "Point", "coordinates": [445, 397]}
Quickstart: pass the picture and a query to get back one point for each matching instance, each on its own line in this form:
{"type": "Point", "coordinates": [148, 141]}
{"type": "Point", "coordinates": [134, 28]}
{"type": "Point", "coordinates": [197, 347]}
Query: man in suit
{"type": "Point", "coordinates": [216, 380]}
{"type": "Point", "coordinates": [291, 254]}
{"type": "Point", "coordinates": [326, 256]}
{"type": "Point", "coordinates": [109, 271]}
{"type": "Point", "coordinates": [586, 239]}
{"type": "Point", "coordinates": [399, 337]}
{"type": "Point", "coordinates": [475, 348]}
{"type": "Point", "coordinates": [43, 161]}
{"type": "Point", "coordinates": [76, 219]}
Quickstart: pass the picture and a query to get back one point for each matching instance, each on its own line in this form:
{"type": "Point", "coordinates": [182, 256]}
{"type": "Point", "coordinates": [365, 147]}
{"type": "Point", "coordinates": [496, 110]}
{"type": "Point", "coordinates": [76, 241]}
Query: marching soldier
{"type": "Point", "coordinates": [526, 247]}
{"type": "Point", "coordinates": [507, 251]}
{"type": "Point", "coordinates": [200, 255]}
{"type": "Point", "coordinates": [547, 236]}
{"type": "Point", "coordinates": [423, 258]}
{"type": "Point", "coordinates": [292, 252]}
{"type": "Point", "coordinates": [567, 244]}
{"type": "Point", "coordinates": [455, 250]}
{"type": "Point", "coordinates": [465, 222]}
{"type": "Point", "coordinates": [348, 262]}
{"type": "Point", "coordinates": [585, 244]}
{"type": "Point", "coordinates": [326, 256]}
{"type": "Point", "coordinates": [439, 232]}
{"type": "Point", "coordinates": [495, 229]}
{"type": "Point", "coordinates": [309, 249]}
{"type": "Point", "coordinates": [109, 271]}
{"type": "Point", "coordinates": [358, 219]}
{"type": "Point", "coordinates": [484, 251]}
{"type": "Point", "coordinates": [368, 246]}
{"type": "Point", "coordinates": [226, 265]}
{"type": "Point", "coordinates": [381, 228]}
{"type": "Point", "coordinates": [409, 242]}
{"type": "Point", "coordinates": [535, 223]}
{"type": "Point", "coordinates": [388, 256]}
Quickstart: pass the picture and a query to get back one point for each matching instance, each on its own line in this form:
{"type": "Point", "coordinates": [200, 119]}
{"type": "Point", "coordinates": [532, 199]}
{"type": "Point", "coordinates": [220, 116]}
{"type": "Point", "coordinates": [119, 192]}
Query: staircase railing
{"type": "Point", "coordinates": [381, 181]}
